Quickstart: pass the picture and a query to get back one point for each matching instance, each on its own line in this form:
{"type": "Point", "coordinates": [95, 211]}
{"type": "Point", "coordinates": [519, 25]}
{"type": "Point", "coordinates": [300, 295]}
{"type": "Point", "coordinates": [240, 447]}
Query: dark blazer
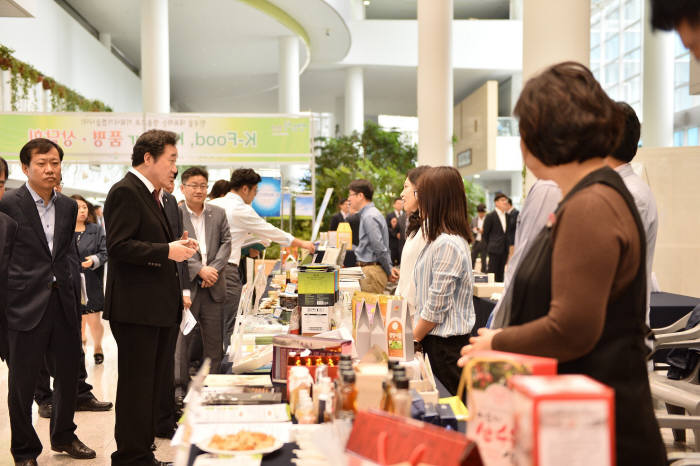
{"type": "Point", "coordinates": [32, 265]}
{"type": "Point", "coordinates": [354, 221]}
{"type": "Point", "coordinates": [143, 286]}
{"type": "Point", "coordinates": [218, 241]}
{"type": "Point", "coordinates": [336, 220]}
{"type": "Point", "coordinates": [493, 236]}
{"type": "Point", "coordinates": [511, 225]}
{"type": "Point", "coordinates": [8, 231]}
{"type": "Point", "coordinates": [174, 216]}
{"type": "Point", "coordinates": [93, 243]}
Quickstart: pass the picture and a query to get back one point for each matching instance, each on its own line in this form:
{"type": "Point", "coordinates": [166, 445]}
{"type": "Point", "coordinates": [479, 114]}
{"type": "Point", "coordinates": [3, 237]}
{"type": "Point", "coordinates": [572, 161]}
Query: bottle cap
{"type": "Point", "coordinates": [401, 383]}
{"type": "Point", "coordinates": [349, 377]}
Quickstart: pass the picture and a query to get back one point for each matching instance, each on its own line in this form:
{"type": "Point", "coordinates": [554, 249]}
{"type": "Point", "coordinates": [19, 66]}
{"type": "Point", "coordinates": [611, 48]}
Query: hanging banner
{"type": "Point", "coordinates": [208, 139]}
{"type": "Point", "coordinates": [268, 200]}
{"type": "Point", "coordinates": [304, 206]}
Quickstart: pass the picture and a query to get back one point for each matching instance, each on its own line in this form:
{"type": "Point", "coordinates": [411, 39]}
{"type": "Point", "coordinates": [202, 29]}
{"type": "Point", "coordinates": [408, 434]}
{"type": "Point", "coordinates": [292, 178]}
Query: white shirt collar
{"type": "Point", "coordinates": [143, 179]}
{"type": "Point", "coordinates": [232, 195]}
{"type": "Point", "coordinates": [192, 212]}
{"type": "Point", "coordinates": [38, 198]}
{"type": "Point", "coordinates": [624, 169]}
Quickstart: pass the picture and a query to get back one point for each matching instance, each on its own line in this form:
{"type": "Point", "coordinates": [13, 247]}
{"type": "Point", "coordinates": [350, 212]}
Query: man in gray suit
{"type": "Point", "coordinates": [208, 225]}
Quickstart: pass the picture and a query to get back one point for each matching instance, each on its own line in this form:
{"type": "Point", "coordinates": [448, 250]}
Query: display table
{"type": "Point", "coordinates": [666, 308]}
{"type": "Point", "coordinates": [281, 457]}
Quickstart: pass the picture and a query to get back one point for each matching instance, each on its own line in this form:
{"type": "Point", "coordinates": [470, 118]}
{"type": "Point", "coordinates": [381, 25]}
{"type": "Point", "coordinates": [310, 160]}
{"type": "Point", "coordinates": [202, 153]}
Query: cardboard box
{"type": "Point", "coordinates": [565, 419]}
{"type": "Point", "coordinates": [490, 401]}
{"type": "Point", "coordinates": [368, 381]}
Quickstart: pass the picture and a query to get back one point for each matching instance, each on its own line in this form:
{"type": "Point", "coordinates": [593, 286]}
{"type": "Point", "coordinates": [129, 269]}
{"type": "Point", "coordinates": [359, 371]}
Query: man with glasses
{"type": "Point", "coordinates": [205, 271]}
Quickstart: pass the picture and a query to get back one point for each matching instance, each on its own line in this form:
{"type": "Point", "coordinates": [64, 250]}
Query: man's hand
{"type": "Point", "coordinates": [87, 264]}
{"type": "Point", "coordinates": [394, 222]}
{"type": "Point", "coordinates": [186, 302]}
{"type": "Point", "coordinates": [309, 246]}
{"type": "Point", "coordinates": [179, 251]}
{"type": "Point", "coordinates": [209, 275]}
{"type": "Point", "coordinates": [191, 242]}
{"type": "Point", "coordinates": [395, 274]}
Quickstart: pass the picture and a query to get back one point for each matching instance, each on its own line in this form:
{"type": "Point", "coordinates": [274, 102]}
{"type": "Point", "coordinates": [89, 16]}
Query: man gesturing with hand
{"type": "Point", "coordinates": [143, 301]}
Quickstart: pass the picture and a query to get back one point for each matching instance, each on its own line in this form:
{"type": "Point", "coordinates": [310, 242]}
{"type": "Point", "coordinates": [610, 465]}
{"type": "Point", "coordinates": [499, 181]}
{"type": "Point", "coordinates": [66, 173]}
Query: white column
{"type": "Point", "coordinates": [354, 100]}
{"type": "Point", "coordinates": [288, 80]}
{"type": "Point", "coordinates": [554, 32]}
{"type": "Point", "coordinates": [435, 83]}
{"type": "Point", "coordinates": [106, 40]}
{"type": "Point", "coordinates": [516, 188]}
{"type": "Point", "coordinates": [5, 91]}
{"type": "Point", "coordinates": [155, 56]}
{"type": "Point", "coordinates": [657, 91]}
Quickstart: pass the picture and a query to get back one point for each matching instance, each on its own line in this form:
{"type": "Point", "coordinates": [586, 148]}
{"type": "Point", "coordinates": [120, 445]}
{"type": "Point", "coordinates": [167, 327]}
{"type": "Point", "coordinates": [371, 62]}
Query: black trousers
{"type": "Point", "coordinates": [233, 296]}
{"type": "Point", "coordinates": [479, 250]}
{"type": "Point", "coordinates": [145, 363]}
{"type": "Point", "coordinates": [166, 419]}
{"type": "Point", "coordinates": [444, 354]}
{"type": "Point", "coordinates": [57, 340]}
{"type": "Point", "coordinates": [497, 265]}
{"type": "Point", "coordinates": [43, 393]}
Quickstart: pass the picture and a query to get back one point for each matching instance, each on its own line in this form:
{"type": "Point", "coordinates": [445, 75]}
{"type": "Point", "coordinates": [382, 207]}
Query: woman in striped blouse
{"type": "Point", "coordinates": [443, 273]}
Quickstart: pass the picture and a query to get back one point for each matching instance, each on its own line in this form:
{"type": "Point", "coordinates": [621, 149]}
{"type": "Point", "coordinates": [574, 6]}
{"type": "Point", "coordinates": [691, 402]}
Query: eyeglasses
{"type": "Point", "coordinates": [201, 187]}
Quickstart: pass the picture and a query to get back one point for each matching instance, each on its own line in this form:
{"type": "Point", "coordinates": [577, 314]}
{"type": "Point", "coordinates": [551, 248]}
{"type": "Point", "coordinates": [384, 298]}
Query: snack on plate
{"type": "Point", "coordinates": [242, 441]}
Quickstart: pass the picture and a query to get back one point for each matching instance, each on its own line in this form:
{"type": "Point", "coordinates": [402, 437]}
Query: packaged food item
{"type": "Point", "coordinates": [344, 235]}
{"type": "Point", "coordinates": [399, 331]}
{"type": "Point", "coordinates": [490, 401]}
{"type": "Point", "coordinates": [378, 332]}
{"type": "Point", "coordinates": [564, 419]}
{"type": "Point", "coordinates": [363, 333]}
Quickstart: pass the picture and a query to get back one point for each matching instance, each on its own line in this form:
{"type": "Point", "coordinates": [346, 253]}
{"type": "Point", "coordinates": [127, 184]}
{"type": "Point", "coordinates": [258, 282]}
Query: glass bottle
{"type": "Point", "coordinates": [348, 396]}
{"type": "Point", "coordinates": [402, 398]}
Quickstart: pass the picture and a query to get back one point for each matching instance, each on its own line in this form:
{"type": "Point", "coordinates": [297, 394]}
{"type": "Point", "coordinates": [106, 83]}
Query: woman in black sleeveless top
{"type": "Point", "coordinates": [579, 294]}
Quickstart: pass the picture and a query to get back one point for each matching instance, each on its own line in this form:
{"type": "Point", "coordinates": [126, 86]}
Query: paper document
{"type": "Point", "coordinates": [188, 322]}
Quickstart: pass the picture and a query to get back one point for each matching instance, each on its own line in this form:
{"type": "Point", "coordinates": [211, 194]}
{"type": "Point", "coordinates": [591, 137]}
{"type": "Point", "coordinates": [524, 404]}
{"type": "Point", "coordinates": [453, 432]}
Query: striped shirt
{"type": "Point", "coordinates": [444, 286]}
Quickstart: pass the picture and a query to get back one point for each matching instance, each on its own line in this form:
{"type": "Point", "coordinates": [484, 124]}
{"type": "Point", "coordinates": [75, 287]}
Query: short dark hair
{"type": "Point", "coordinates": [667, 14]}
{"type": "Point", "coordinates": [220, 188]}
{"type": "Point", "coordinates": [38, 146]}
{"type": "Point", "coordinates": [443, 204]}
{"type": "Point", "coordinates": [342, 201]}
{"type": "Point", "coordinates": [4, 168]}
{"type": "Point", "coordinates": [481, 207]}
{"type": "Point", "coordinates": [244, 177]}
{"type": "Point", "coordinates": [565, 116]}
{"type": "Point", "coordinates": [362, 186]}
{"type": "Point", "coordinates": [499, 195]}
{"type": "Point", "coordinates": [194, 171]}
{"type": "Point", "coordinates": [153, 142]}
{"type": "Point", "coordinates": [91, 217]}
{"type": "Point", "coordinates": [627, 148]}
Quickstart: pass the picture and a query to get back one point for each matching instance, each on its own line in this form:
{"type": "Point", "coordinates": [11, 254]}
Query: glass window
{"type": "Point", "coordinates": [613, 92]}
{"type": "Point", "coordinates": [678, 138]}
{"type": "Point", "coordinates": [612, 73]}
{"type": "Point", "coordinates": [632, 90]}
{"type": "Point", "coordinates": [692, 136]}
{"type": "Point", "coordinates": [612, 48]}
{"type": "Point", "coordinates": [682, 99]}
{"type": "Point", "coordinates": [632, 11]}
{"type": "Point", "coordinates": [612, 18]}
{"type": "Point", "coordinates": [678, 47]}
{"type": "Point", "coordinates": [632, 64]}
{"type": "Point", "coordinates": [595, 34]}
{"type": "Point", "coordinates": [632, 39]}
{"type": "Point", "coordinates": [682, 72]}
{"type": "Point", "coordinates": [595, 54]}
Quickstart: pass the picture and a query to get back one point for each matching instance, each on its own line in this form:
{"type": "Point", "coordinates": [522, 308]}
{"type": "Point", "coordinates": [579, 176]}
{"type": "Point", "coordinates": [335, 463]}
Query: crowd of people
{"type": "Point", "coordinates": [579, 261]}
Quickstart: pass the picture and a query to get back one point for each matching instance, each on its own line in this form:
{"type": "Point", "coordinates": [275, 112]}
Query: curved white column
{"type": "Point", "coordinates": [155, 56]}
{"type": "Point", "coordinates": [288, 91]}
{"type": "Point", "coordinates": [354, 100]}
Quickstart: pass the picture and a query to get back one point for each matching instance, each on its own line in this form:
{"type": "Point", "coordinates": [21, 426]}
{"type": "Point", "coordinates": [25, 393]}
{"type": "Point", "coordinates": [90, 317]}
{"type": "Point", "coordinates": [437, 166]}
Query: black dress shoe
{"type": "Point", "coordinates": [93, 404]}
{"type": "Point", "coordinates": [161, 463]}
{"type": "Point", "coordinates": [28, 462]}
{"type": "Point", "coordinates": [76, 449]}
{"type": "Point", "coordinates": [45, 410]}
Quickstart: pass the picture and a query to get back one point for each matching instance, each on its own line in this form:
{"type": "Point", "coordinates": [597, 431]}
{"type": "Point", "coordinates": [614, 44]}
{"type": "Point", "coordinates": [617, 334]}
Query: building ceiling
{"type": "Point", "coordinates": [463, 9]}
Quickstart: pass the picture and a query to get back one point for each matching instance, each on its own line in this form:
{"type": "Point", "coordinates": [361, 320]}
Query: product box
{"type": "Point", "coordinates": [282, 345]}
{"type": "Point", "coordinates": [368, 381]}
{"type": "Point", "coordinates": [315, 319]}
{"type": "Point", "coordinates": [399, 330]}
{"type": "Point", "coordinates": [381, 438]}
{"type": "Point", "coordinates": [485, 290]}
{"type": "Point", "coordinates": [490, 401]}
{"type": "Point", "coordinates": [565, 419]}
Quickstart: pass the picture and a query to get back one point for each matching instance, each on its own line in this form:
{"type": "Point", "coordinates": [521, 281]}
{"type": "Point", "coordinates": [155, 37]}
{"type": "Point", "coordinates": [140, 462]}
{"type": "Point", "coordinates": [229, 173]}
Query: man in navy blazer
{"type": "Point", "coordinates": [143, 300]}
{"type": "Point", "coordinates": [42, 300]}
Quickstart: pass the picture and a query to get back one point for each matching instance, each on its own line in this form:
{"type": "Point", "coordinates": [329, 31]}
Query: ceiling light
{"type": "Point", "coordinates": [366, 2]}
{"type": "Point", "coordinates": [477, 176]}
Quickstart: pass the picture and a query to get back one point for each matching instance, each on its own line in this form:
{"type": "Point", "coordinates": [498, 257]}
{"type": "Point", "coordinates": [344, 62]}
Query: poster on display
{"type": "Point", "coordinates": [304, 207]}
{"type": "Point", "coordinates": [203, 138]}
{"type": "Point", "coordinates": [267, 202]}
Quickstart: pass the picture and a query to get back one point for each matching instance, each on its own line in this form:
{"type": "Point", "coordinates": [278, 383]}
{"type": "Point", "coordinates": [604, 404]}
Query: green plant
{"type": "Point", "coordinates": [475, 195]}
{"type": "Point", "coordinates": [24, 76]}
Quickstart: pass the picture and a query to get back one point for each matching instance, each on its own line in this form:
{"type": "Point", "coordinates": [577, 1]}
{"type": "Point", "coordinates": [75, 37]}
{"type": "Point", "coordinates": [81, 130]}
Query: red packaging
{"type": "Point", "coordinates": [490, 402]}
{"type": "Point", "coordinates": [563, 419]}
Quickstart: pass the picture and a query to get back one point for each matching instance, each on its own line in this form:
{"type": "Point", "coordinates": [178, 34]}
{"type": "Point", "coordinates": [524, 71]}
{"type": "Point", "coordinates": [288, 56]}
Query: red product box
{"type": "Point", "coordinates": [282, 345]}
{"type": "Point", "coordinates": [381, 438]}
{"type": "Point", "coordinates": [490, 402]}
{"type": "Point", "coordinates": [564, 419]}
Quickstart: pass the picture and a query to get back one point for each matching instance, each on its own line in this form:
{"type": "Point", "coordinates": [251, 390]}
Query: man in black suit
{"type": "Point", "coordinates": [342, 214]}
{"type": "Point", "coordinates": [512, 225]}
{"type": "Point", "coordinates": [42, 300]}
{"type": "Point", "coordinates": [143, 300]}
{"type": "Point", "coordinates": [495, 236]}
{"type": "Point", "coordinates": [8, 231]}
{"type": "Point", "coordinates": [396, 222]}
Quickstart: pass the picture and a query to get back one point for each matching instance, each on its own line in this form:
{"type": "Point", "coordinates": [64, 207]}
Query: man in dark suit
{"type": "Point", "coordinates": [394, 221]}
{"type": "Point", "coordinates": [209, 226]}
{"type": "Point", "coordinates": [342, 214]}
{"type": "Point", "coordinates": [42, 302]}
{"type": "Point", "coordinates": [8, 231]}
{"type": "Point", "coordinates": [495, 238]}
{"type": "Point", "coordinates": [143, 300]}
{"type": "Point", "coordinates": [512, 225]}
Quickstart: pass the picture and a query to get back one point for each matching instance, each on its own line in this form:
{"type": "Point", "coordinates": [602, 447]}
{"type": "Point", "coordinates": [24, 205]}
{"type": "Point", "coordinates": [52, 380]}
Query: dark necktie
{"type": "Point", "coordinates": [156, 197]}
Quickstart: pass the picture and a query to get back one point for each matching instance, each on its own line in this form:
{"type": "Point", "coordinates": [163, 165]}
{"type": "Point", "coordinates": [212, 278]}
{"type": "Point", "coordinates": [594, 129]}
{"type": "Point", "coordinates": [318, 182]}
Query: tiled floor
{"type": "Point", "coordinates": [95, 429]}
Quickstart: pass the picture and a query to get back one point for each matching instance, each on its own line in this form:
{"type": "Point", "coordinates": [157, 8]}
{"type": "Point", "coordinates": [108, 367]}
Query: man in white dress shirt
{"type": "Point", "coordinates": [245, 223]}
{"type": "Point", "coordinates": [643, 198]}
